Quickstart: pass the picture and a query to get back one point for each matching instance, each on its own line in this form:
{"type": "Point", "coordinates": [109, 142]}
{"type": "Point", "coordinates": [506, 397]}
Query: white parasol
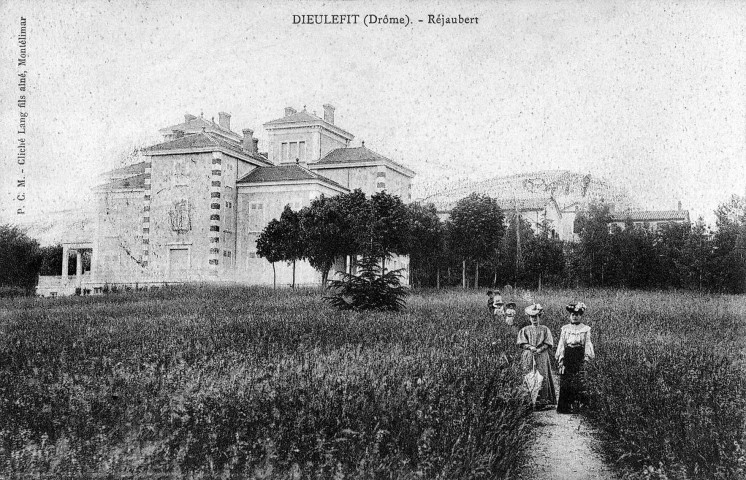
{"type": "Point", "coordinates": [533, 380]}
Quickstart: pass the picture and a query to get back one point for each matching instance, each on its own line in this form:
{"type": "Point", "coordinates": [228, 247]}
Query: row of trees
{"type": "Point", "coordinates": [474, 239]}
{"type": "Point", "coordinates": [480, 245]}
{"type": "Point", "coordinates": [22, 260]}
{"type": "Point", "coordinates": [337, 227]}
{"type": "Point", "coordinates": [688, 255]}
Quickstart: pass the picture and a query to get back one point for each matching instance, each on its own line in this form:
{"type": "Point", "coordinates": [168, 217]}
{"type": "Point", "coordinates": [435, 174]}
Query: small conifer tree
{"type": "Point", "coordinates": [370, 289]}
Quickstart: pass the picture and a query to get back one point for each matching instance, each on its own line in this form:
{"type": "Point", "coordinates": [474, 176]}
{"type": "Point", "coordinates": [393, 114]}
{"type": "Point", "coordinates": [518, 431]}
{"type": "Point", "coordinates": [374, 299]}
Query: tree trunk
{"type": "Point", "coordinates": [437, 278]}
{"type": "Point", "coordinates": [540, 281]}
{"type": "Point", "coordinates": [293, 273]}
{"type": "Point", "coordinates": [274, 277]}
{"type": "Point", "coordinates": [476, 277]}
{"type": "Point", "coordinates": [463, 274]}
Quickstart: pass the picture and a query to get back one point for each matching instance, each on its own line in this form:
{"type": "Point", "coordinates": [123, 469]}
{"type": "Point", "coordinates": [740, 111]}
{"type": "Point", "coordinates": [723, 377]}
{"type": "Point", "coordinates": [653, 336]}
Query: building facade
{"type": "Point", "coordinates": [194, 208]}
{"type": "Point", "coordinates": [650, 219]}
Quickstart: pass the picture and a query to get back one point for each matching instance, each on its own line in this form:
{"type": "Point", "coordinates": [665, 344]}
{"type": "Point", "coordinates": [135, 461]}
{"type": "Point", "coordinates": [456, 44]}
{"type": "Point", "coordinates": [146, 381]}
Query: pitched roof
{"type": "Point", "coordinates": [445, 205]}
{"type": "Point", "coordinates": [305, 117]}
{"type": "Point", "coordinates": [297, 117]}
{"type": "Point", "coordinates": [284, 173]}
{"type": "Point", "coordinates": [127, 171]}
{"type": "Point", "coordinates": [351, 155]}
{"type": "Point", "coordinates": [195, 125]}
{"type": "Point", "coordinates": [524, 204]}
{"type": "Point", "coordinates": [136, 182]}
{"type": "Point", "coordinates": [651, 215]}
{"type": "Point", "coordinates": [203, 140]}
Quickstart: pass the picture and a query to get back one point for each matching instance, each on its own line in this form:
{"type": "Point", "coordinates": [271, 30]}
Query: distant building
{"type": "Point", "coordinates": [194, 208]}
{"type": "Point", "coordinates": [555, 195]}
{"type": "Point", "coordinates": [535, 211]}
{"type": "Point", "coordinates": [650, 219]}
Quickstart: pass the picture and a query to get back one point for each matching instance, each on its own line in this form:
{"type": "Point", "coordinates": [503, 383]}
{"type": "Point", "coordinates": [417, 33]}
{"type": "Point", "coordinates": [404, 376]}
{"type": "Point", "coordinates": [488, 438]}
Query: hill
{"type": "Point", "coordinates": [566, 187]}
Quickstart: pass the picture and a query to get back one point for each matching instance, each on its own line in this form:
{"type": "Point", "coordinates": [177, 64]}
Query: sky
{"type": "Point", "coordinates": [650, 96]}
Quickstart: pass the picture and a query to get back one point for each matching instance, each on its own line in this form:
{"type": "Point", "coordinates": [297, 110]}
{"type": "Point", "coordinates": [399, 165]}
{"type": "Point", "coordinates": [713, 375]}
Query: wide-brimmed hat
{"type": "Point", "coordinates": [576, 307]}
{"type": "Point", "coordinates": [510, 305]}
{"type": "Point", "coordinates": [534, 309]}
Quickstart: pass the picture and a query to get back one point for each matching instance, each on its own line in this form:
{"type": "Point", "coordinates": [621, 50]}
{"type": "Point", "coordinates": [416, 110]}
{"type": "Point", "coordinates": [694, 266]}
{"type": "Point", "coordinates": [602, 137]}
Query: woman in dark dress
{"type": "Point", "coordinates": [573, 350]}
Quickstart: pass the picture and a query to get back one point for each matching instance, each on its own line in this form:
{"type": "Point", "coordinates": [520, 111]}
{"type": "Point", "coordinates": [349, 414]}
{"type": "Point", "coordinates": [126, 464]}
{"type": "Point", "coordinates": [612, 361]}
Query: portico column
{"type": "Point", "coordinates": [65, 256]}
{"type": "Point", "coordinates": [78, 266]}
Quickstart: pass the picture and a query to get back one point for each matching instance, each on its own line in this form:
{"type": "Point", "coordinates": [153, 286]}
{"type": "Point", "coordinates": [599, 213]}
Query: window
{"type": "Point", "coordinates": [302, 151]}
{"type": "Point", "coordinates": [293, 151]}
{"type": "Point", "coordinates": [256, 216]}
{"type": "Point", "coordinates": [284, 152]}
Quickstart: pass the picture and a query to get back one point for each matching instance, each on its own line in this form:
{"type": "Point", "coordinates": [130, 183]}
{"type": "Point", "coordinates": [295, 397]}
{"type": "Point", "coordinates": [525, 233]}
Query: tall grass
{"type": "Point", "coordinates": [244, 382]}
{"type": "Point", "coordinates": [240, 382]}
{"type": "Point", "coordinates": [668, 386]}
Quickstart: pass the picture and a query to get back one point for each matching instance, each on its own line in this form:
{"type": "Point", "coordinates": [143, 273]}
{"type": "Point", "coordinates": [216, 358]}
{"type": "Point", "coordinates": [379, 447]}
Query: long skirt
{"type": "Point", "coordinates": [571, 381]}
{"type": "Point", "coordinates": [547, 395]}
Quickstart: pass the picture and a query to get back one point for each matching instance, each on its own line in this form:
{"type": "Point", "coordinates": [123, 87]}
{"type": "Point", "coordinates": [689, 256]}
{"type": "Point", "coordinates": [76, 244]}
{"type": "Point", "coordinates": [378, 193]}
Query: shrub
{"type": "Point", "coordinates": [371, 289]}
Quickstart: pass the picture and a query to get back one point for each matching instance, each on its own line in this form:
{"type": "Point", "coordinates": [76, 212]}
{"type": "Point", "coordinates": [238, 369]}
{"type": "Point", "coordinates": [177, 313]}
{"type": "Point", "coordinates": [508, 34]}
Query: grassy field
{"type": "Point", "coordinates": [244, 382]}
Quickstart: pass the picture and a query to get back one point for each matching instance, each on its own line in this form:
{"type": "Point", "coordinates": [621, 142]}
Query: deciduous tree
{"type": "Point", "coordinates": [477, 224]}
{"type": "Point", "coordinates": [20, 260]}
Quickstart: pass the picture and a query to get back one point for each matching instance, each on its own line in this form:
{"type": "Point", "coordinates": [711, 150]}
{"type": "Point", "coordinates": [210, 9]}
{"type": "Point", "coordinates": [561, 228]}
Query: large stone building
{"type": "Point", "coordinates": [194, 208]}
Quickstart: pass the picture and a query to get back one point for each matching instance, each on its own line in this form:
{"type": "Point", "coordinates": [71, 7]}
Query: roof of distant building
{"type": "Point", "coordinates": [127, 171]}
{"type": "Point", "coordinates": [524, 204]}
{"type": "Point", "coordinates": [353, 155]}
{"type": "Point", "coordinates": [651, 216]}
{"type": "Point", "coordinates": [506, 204]}
{"type": "Point", "coordinates": [284, 173]}
{"type": "Point", "coordinates": [204, 140]}
{"type": "Point", "coordinates": [136, 182]}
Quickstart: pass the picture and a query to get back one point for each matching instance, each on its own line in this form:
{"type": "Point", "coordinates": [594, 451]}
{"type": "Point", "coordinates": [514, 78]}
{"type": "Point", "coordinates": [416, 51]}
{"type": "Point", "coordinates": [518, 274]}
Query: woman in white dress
{"type": "Point", "coordinates": [573, 350]}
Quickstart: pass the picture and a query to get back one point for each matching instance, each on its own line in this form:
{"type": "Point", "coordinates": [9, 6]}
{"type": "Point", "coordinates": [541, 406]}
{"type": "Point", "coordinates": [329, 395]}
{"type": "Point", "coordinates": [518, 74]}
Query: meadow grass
{"type": "Point", "coordinates": [248, 382]}
{"type": "Point", "coordinates": [668, 386]}
{"type": "Point", "coordinates": [255, 383]}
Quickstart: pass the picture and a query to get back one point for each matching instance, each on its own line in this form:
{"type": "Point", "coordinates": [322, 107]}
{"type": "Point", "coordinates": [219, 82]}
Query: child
{"type": "Point", "coordinates": [509, 310]}
{"type": "Point", "coordinates": [494, 303]}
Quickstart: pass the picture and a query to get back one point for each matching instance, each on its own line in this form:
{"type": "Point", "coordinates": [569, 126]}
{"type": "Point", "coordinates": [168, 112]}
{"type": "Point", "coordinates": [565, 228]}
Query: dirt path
{"type": "Point", "coordinates": [565, 449]}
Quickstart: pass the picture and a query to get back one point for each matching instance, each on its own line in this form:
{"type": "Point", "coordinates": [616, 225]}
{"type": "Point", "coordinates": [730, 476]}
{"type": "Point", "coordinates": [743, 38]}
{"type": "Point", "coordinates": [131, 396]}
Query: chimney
{"type": "Point", "coordinates": [289, 111]}
{"type": "Point", "coordinates": [256, 145]}
{"type": "Point", "coordinates": [188, 117]}
{"type": "Point", "coordinates": [329, 113]}
{"type": "Point", "coordinates": [224, 120]}
{"type": "Point", "coordinates": [249, 142]}
{"type": "Point", "coordinates": [679, 206]}
{"type": "Point", "coordinates": [178, 133]}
